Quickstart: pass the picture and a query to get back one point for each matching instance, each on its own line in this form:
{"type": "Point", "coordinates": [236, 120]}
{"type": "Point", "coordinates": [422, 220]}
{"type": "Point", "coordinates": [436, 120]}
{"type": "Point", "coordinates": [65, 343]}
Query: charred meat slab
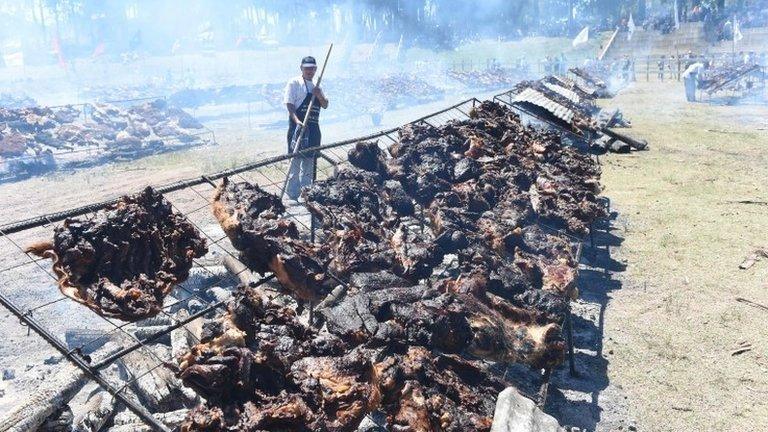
{"type": "Point", "coordinates": [125, 260]}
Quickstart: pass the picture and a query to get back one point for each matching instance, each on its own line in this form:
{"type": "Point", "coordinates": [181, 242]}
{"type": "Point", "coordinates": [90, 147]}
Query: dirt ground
{"type": "Point", "coordinates": [690, 210]}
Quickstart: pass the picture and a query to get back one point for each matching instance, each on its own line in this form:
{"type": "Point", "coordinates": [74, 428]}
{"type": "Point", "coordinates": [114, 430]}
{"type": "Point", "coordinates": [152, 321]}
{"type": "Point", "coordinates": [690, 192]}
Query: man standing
{"type": "Point", "coordinates": [298, 93]}
{"type": "Point", "coordinates": [691, 80]}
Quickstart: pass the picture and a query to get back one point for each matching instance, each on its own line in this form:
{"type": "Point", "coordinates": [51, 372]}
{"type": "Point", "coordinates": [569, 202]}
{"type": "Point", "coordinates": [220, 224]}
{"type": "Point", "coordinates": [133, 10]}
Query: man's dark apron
{"type": "Point", "coordinates": [312, 135]}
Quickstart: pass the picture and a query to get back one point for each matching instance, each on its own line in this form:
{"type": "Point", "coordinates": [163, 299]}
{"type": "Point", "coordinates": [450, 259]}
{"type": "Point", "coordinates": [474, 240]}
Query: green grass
{"type": "Point", "coordinates": [685, 240]}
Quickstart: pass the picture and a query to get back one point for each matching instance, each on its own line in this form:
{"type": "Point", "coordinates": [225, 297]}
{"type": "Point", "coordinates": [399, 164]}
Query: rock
{"type": "Point", "coordinates": [8, 374]}
{"type": "Point", "coordinates": [516, 413]}
{"type": "Point", "coordinates": [52, 360]}
{"type": "Point", "coordinates": [374, 422]}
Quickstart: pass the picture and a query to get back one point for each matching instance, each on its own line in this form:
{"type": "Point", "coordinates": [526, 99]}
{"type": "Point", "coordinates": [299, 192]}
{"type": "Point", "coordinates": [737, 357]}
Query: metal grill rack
{"type": "Point", "coordinates": [79, 157]}
{"type": "Point", "coordinates": [28, 287]}
{"type": "Point", "coordinates": [581, 141]}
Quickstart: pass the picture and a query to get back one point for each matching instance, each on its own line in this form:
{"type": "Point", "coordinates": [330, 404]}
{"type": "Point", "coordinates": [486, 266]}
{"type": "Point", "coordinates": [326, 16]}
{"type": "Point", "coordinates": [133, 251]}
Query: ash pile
{"type": "Point", "coordinates": [437, 265]}
{"type": "Point", "coordinates": [570, 106]}
{"type": "Point", "coordinates": [39, 139]}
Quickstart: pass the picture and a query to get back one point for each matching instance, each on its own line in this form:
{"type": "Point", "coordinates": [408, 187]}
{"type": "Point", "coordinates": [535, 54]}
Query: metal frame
{"type": "Point", "coordinates": [268, 173]}
{"type": "Point", "coordinates": [756, 74]}
{"type": "Point", "coordinates": [507, 98]}
{"type": "Point", "coordinates": [36, 275]}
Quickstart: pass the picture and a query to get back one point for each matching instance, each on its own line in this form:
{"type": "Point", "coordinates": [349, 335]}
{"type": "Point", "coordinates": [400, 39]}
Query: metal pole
{"type": "Point", "coordinates": [569, 335]}
{"type": "Point", "coordinates": [81, 363]}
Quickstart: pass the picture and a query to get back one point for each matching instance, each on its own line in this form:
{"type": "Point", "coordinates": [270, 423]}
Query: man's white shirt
{"type": "Point", "coordinates": [296, 90]}
{"type": "Point", "coordinates": [693, 69]}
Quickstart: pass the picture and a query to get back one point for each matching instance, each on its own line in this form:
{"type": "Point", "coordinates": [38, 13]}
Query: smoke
{"type": "Point", "coordinates": [61, 49]}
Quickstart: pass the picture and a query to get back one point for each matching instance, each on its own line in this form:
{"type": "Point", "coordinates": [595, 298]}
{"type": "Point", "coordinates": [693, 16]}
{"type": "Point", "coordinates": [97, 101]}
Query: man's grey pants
{"type": "Point", "coordinates": [690, 88]}
{"type": "Point", "coordinates": [300, 174]}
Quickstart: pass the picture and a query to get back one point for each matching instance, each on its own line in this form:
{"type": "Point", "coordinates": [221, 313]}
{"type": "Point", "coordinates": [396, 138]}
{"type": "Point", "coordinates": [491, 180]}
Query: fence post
{"type": "Point", "coordinates": [648, 68]}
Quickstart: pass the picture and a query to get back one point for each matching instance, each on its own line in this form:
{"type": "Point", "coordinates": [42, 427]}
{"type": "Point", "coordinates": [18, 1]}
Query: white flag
{"type": "Point", "coordinates": [630, 27]}
{"type": "Point", "coordinates": [677, 20]}
{"type": "Point", "coordinates": [582, 37]}
{"type": "Point", "coordinates": [737, 36]}
{"type": "Point", "coordinates": [15, 59]}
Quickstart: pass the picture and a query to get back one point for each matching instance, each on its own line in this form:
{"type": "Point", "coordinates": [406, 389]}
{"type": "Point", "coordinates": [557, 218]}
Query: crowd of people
{"type": "Point", "coordinates": [721, 25]}
{"type": "Point", "coordinates": [663, 23]}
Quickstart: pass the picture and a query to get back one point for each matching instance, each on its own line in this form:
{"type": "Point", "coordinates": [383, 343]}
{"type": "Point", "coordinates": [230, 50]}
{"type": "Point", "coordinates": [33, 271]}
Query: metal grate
{"type": "Point", "coordinates": [28, 288]}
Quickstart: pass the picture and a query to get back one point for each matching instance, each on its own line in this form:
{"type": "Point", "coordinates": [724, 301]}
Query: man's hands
{"type": "Point", "coordinates": [318, 93]}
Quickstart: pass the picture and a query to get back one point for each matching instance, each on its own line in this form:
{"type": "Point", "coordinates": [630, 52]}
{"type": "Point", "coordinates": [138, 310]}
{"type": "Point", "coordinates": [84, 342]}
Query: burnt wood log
{"type": "Point", "coordinates": [95, 413]}
{"type": "Point", "coordinates": [54, 393]}
{"type": "Point", "coordinates": [158, 390]}
{"type": "Point", "coordinates": [635, 144]}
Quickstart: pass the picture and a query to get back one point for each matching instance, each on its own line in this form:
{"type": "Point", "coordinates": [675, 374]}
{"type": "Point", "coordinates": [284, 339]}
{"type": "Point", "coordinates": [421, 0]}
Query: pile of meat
{"type": "Point", "coordinates": [493, 78]}
{"type": "Point", "coordinates": [595, 75]}
{"type": "Point", "coordinates": [125, 260]}
{"type": "Point", "coordinates": [714, 79]}
{"type": "Point", "coordinates": [585, 93]}
{"type": "Point", "coordinates": [354, 95]}
{"type": "Point", "coordinates": [401, 89]}
{"type": "Point", "coordinates": [16, 101]}
{"type": "Point", "coordinates": [433, 263]}
{"type": "Point", "coordinates": [140, 128]}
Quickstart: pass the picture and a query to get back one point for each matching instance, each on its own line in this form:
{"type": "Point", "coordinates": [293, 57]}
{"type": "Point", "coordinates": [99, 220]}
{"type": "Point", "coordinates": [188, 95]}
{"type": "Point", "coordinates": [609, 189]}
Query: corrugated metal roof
{"type": "Point", "coordinates": [566, 93]}
{"type": "Point", "coordinates": [536, 98]}
{"type": "Point", "coordinates": [570, 83]}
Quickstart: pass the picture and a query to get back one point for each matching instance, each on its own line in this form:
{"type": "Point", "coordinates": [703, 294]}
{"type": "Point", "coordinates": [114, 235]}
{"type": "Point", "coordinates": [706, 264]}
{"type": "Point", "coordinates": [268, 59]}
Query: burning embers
{"type": "Point", "coordinates": [445, 267]}
{"type": "Point", "coordinates": [124, 261]}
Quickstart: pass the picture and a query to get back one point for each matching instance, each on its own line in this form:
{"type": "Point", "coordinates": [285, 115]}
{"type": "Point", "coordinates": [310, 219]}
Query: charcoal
{"type": "Point", "coordinates": [395, 197]}
{"type": "Point", "coordinates": [466, 169]}
{"type": "Point", "coordinates": [377, 281]}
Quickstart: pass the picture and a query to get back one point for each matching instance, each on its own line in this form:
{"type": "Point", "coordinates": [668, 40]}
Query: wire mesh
{"type": "Point", "coordinates": [140, 349]}
{"type": "Point", "coordinates": [29, 285]}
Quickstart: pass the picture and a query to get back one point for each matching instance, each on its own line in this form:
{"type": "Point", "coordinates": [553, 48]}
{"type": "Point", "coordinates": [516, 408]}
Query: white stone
{"type": "Point", "coordinates": [516, 413]}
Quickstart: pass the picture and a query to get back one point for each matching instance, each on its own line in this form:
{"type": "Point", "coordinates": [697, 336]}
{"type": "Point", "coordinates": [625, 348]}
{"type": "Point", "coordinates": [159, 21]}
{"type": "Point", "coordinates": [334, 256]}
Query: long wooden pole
{"type": "Point", "coordinates": [312, 100]}
{"type": "Point", "coordinates": [306, 116]}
